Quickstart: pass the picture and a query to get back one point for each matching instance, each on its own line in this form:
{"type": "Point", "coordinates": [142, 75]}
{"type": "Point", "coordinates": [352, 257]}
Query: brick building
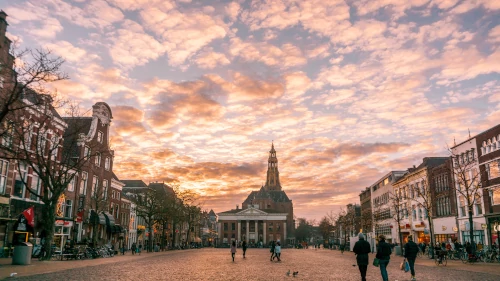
{"type": "Point", "coordinates": [488, 143]}
{"type": "Point", "coordinates": [366, 210]}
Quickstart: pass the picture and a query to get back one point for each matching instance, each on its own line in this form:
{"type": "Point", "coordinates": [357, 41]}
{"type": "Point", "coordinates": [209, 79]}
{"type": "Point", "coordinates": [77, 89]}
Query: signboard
{"type": "Point", "coordinates": [455, 228]}
{"type": "Point", "coordinates": [64, 223]}
{"type": "Point", "coordinates": [79, 216]}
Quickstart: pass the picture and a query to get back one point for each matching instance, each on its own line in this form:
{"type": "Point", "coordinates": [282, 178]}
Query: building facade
{"type": "Point", "coordinates": [366, 210]}
{"type": "Point", "coordinates": [488, 144]}
{"type": "Point", "coordinates": [383, 215]}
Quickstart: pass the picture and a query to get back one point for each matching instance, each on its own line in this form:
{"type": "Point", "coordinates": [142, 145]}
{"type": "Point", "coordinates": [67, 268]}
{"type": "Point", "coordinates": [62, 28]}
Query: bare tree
{"type": "Point", "coordinates": [397, 211]}
{"type": "Point", "coordinates": [422, 195]}
{"type": "Point", "coordinates": [26, 70]}
{"type": "Point", "coordinates": [148, 205]}
{"type": "Point", "coordinates": [467, 185]}
{"type": "Point", "coordinates": [36, 146]}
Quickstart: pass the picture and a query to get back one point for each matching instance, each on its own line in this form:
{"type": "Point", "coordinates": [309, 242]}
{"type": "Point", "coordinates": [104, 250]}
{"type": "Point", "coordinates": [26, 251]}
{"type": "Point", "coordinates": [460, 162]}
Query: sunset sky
{"type": "Point", "coordinates": [348, 90]}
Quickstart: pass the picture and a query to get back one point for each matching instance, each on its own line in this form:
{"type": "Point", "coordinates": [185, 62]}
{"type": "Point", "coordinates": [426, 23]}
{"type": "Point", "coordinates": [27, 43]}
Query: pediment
{"type": "Point", "coordinates": [252, 211]}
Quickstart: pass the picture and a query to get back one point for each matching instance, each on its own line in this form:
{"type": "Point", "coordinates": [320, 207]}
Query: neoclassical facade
{"type": "Point", "coordinates": [266, 214]}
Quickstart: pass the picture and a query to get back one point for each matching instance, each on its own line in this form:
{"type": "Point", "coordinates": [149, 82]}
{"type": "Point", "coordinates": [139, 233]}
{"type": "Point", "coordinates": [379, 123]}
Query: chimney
{"type": "Point", "coordinates": [414, 167]}
{"type": "Point", "coordinates": [237, 207]}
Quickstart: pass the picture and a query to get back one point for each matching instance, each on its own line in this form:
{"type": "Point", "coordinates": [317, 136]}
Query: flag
{"type": "Point", "coordinates": [29, 214]}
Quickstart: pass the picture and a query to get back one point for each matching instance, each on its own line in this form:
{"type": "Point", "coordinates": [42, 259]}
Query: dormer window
{"type": "Point", "coordinates": [99, 137]}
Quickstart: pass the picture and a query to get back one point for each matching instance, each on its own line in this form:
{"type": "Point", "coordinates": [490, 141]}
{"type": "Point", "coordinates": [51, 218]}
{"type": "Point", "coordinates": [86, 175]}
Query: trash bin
{"type": "Point", "coordinates": [22, 253]}
{"type": "Point", "coordinates": [398, 250]}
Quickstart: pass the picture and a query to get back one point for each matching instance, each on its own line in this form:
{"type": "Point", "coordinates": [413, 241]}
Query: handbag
{"type": "Point", "coordinates": [376, 262]}
{"type": "Point", "coordinates": [407, 266]}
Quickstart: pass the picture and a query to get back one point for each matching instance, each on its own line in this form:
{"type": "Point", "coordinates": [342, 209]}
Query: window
{"type": "Point", "coordinates": [462, 206]}
{"type": "Point", "coordinates": [86, 152]}
{"type": "Point", "coordinates": [67, 208]}
{"type": "Point", "coordinates": [477, 205]}
{"type": "Point", "coordinates": [99, 137]}
{"type": "Point", "coordinates": [83, 183]}
{"type": "Point", "coordinates": [233, 226]}
{"type": "Point", "coordinates": [425, 214]}
{"type": "Point", "coordinates": [35, 187]}
{"type": "Point", "coordinates": [225, 226]}
{"type": "Point", "coordinates": [107, 163]}
{"type": "Point", "coordinates": [8, 134]}
{"type": "Point", "coordinates": [270, 226]}
{"type": "Point", "coordinates": [71, 184]}
{"type": "Point", "coordinates": [492, 170]}
{"type": "Point", "coordinates": [95, 183]}
{"type": "Point", "coordinates": [105, 189]}
{"type": "Point", "coordinates": [414, 212]}
{"type": "Point", "coordinates": [54, 147]}
{"type": "Point", "coordinates": [412, 191]}
{"type": "Point", "coordinates": [4, 168]}
{"type": "Point", "coordinates": [98, 159]}
{"type": "Point", "coordinates": [419, 213]}
{"type": "Point", "coordinates": [19, 185]}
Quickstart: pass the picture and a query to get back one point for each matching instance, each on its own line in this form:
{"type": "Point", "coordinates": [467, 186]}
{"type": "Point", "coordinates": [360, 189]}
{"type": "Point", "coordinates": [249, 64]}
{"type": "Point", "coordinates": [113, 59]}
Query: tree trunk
{"type": "Point", "coordinates": [49, 219]}
{"type": "Point", "coordinates": [471, 232]}
{"type": "Point", "coordinates": [431, 232]}
{"type": "Point", "coordinates": [151, 233]}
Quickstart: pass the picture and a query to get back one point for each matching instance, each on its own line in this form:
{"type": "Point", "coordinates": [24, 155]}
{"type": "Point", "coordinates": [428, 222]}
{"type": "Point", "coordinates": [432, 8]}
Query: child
{"type": "Point", "coordinates": [233, 249]}
{"type": "Point", "coordinates": [277, 250]}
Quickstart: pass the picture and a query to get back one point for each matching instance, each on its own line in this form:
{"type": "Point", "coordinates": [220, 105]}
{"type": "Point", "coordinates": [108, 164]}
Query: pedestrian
{"type": "Point", "coordinates": [233, 249]}
{"type": "Point", "coordinates": [140, 248]}
{"type": "Point", "coordinates": [411, 251]}
{"type": "Point", "coordinates": [273, 246]}
{"type": "Point", "coordinates": [277, 250]}
{"type": "Point", "coordinates": [134, 248]}
{"type": "Point", "coordinates": [342, 248]}
{"type": "Point", "coordinates": [384, 256]}
{"type": "Point", "coordinates": [362, 249]}
{"type": "Point", "coordinates": [244, 247]}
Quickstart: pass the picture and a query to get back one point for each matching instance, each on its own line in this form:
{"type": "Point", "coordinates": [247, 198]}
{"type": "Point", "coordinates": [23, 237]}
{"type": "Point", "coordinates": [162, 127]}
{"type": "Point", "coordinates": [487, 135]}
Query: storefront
{"type": "Point", "coordinates": [494, 230]}
{"type": "Point", "coordinates": [445, 230]}
{"type": "Point", "coordinates": [62, 233]}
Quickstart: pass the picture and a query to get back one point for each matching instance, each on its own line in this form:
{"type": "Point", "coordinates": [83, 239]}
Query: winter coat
{"type": "Point", "coordinates": [244, 245]}
{"type": "Point", "coordinates": [411, 250]}
{"type": "Point", "coordinates": [383, 251]}
{"type": "Point", "coordinates": [362, 249]}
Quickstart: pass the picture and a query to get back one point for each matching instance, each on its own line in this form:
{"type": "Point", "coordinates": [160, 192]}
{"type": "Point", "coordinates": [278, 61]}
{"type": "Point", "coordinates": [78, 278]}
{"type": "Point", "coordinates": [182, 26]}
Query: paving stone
{"type": "Point", "coordinates": [216, 264]}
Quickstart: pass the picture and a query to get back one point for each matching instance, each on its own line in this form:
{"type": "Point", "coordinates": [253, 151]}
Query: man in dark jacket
{"type": "Point", "coordinates": [362, 249]}
{"type": "Point", "coordinates": [411, 251]}
{"type": "Point", "coordinates": [384, 255]}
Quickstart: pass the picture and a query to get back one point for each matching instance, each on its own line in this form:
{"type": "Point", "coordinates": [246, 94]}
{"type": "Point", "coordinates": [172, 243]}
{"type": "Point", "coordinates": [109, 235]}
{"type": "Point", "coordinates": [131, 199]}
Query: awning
{"type": "Point", "coordinates": [197, 239]}
{"type": "Point", "coordinates": [110, 220]}
{"type": "Point", "coordinates": [117, 229]}
{"type": "Point", "coordinates": [101, 219]}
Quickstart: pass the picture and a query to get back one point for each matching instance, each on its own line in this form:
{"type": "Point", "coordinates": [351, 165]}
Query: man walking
{"type": "Point", "coordinates": [362, 249]}
{"type": "Point", "coordinates": [411, 251]}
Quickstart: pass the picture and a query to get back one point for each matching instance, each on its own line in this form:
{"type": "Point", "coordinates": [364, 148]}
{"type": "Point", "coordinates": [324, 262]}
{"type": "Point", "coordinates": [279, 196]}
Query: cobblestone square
{"type": "Point", "coordinates": [216, 264]}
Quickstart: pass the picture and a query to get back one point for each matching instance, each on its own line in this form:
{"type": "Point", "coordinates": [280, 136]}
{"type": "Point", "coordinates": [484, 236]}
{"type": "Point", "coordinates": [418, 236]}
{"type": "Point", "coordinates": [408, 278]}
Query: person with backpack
{"type": "Point", "coordinates": [411, 251]}
{"type": "Point", "coordinates": [362, 249]}
{"type": "Point", "coordinates": [384, 255]}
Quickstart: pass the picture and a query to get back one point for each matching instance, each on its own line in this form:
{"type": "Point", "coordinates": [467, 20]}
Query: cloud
{"type": "Point", "coordinates": [209, 59]}
{"type": "Point", "coordinates": [69, 52]}
{"type": "Point", "coordinates": [182, 34]}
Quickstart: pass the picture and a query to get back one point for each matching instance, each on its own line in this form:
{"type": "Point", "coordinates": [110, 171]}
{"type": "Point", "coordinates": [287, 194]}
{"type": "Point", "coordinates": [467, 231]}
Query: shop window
{"type": "Point", "coordinates": [36, 186]}
{"type": "Point", "coordinates": [478, 205]}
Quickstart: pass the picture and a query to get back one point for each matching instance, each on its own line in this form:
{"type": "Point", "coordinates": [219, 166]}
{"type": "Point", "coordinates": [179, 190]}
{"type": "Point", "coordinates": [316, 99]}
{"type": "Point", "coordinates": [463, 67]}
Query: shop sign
{"type": "Point", "coordinates": [484, 226]}
{"type": "Point", "coordinates": [455, 228]}
{"type": "Point", "coordinates": [443, 228]}
{"type": "Point", "coordinates": [79, 216]}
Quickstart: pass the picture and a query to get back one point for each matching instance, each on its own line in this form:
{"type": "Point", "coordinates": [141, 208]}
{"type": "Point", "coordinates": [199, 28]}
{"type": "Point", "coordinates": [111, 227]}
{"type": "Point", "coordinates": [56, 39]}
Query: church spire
{"type": "Point", "coordinates": [273, 179]}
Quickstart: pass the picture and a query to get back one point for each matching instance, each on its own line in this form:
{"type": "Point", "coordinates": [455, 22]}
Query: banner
{"type": "Point", "coordinates": [29, 214]}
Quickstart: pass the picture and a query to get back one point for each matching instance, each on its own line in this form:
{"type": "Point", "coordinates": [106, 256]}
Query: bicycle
{"type": "Point", "coordinates": [441, 259]}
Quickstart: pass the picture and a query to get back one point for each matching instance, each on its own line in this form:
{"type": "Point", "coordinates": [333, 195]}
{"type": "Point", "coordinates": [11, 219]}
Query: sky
{"type": "Point", "coordinates": [347, 90]}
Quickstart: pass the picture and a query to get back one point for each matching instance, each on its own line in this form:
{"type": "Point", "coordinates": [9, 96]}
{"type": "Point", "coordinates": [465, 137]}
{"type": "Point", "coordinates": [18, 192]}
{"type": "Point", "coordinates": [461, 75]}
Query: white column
{"type": "Point", "coordinates": [248, 231]}
{"type": "Point", "coordinates": [256, 231]}
{"type": "Point", "coordinates": [219, 226]}
{"type": "Point", "coordinates": [284, 233]}
{"type": "Point", "coordinates": [264, 225]}
{"type": "Point", "coordinates": [239, 231]}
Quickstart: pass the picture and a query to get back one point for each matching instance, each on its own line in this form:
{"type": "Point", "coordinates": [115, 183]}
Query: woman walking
{"type": "Point", "coordinates": [384, 255]}
{"type": "Point", "coordinates": [273, 246]}
{"type": "Point", "coordinates": [277, 250]}
{"type": "Point", "coordinates": [233, 249]}
{"type": "Point", "coordinates": [244, 247]}
{"type": "Point", "coordinates": [362, 249]}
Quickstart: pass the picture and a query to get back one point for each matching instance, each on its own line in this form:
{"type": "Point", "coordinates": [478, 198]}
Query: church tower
{"type": "Point", "coordinates": [273, 176]}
